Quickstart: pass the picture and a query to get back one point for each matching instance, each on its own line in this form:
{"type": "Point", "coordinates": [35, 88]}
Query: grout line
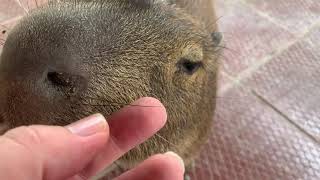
{"type": "Point", "coordinates": [286, 117]}
{"type": "Point", "coordinates": [227, 86]}
{"type": "Point", "coordinates": [267, 16]}
{"type": "Point", "coordinates": [274, 21]}
{"type": "Point", "coordinates": [313, 27]}
{"type": "Point", "coordinates": [253, 68]}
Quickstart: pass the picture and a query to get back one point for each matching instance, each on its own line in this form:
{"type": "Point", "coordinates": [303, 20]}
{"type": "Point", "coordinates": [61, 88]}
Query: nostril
{"type": "Point", "coordinates": [65, 82]}
{"type": "Point", "coordinates": [59, 78]}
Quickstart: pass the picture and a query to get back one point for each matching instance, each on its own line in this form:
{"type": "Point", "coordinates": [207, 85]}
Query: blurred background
{"type": "Point", "coordinates": [267, 124]}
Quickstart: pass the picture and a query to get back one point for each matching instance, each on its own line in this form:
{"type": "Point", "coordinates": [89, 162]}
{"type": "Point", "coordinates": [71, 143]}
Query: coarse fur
{"type": "Point", "coordinates": [72, 58]}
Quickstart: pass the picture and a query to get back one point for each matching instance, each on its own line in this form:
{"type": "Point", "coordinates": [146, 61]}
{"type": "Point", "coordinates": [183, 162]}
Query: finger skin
{"type": "Point", "coordinates": [54, 153]}
{"type": "Point", "coordinates": [158, 167]}
{"type": "Point", "coordinates": [129, 127]}
{"type": "Point", "coordinates": [44, 152]}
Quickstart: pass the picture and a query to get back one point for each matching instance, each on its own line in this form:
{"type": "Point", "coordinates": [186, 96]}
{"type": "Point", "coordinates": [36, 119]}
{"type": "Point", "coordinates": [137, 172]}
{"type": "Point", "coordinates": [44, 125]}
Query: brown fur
{"type": "Point", "coordinates": [68, 60]}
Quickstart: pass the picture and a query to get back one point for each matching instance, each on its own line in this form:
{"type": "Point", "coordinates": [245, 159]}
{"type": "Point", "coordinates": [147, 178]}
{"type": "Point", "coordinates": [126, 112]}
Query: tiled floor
{"type": "Point", "coordinates": [267, 124]}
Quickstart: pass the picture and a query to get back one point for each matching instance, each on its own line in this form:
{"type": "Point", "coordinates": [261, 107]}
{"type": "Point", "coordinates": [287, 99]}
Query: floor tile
{"type": "Point", "coordinates": [296, 15]}
{"type": "Point", "coordinates": [249, 37]}
{"type": "Point", "coordinates": [291, 83]}
{"type": "Point", "coordinates": [251, 141]}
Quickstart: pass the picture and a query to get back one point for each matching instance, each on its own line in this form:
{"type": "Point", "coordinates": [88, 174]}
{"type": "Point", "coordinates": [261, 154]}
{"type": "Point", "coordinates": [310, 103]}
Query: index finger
{"type": "Point", "coordinates": [129, 127]}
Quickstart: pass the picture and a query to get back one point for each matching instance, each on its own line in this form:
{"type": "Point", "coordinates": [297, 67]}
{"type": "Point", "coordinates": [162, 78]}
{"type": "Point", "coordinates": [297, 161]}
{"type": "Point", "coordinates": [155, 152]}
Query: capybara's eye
{"type": "Point", "coordinates": [188, 66]}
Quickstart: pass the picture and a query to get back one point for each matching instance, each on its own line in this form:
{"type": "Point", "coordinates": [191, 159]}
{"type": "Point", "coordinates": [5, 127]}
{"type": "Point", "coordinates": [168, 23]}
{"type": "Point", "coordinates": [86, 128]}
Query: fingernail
{"type": "Point", "coordinates": [170, 153]}
{"type": "Point", "coordinates": [89, 125]}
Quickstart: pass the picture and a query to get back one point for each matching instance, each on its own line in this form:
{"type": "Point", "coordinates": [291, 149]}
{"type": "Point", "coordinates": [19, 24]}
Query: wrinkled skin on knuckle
{"type": "Point", "coordinates": [25, 135]}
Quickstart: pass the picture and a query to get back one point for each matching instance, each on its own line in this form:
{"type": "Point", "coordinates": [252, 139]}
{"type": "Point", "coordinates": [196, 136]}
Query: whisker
{"type": "Point", "coordinates": [207, 25]}
{"type": "Point", "coordinates": [227, 36]}
{"type": "Point", "coordinates": [113, 104]}
{"type": "Point", "coordinates": [237, 98]}
{"type": "Point", "coordinates": [224, 32]}
{"type": "Point", "coordinates": [218, 19]}
{"type": "Point", "coordinates": [124, 65]}
{"type": "Point", "coordinates": [114, 76]}
{"type": "Point", "coordinates": [227, 48]}
{"type": "Point", "coordinates": [166, 141]}
{"type": "Point", "coordinates": [221, 58]}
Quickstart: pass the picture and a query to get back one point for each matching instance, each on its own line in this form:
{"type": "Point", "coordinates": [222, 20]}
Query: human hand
{"type": "Point", "coordinates": [78, 151]}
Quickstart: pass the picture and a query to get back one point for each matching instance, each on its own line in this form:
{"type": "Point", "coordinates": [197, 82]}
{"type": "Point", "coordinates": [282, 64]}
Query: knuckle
{"type": "Point", "coordinates": [25, 135]}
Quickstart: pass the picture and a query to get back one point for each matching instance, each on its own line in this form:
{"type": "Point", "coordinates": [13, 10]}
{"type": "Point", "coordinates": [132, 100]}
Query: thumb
{"type": "Point", "coordinates": [50, 152]}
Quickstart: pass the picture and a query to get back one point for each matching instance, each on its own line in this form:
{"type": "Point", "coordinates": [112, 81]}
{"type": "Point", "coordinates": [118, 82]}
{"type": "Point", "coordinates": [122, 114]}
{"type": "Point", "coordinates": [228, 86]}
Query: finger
{"type": "Point", "coordinates": [159, 167]}
{"type": "Point", "coordinates": [129, 127]}
{"type": "Point", "coordinates": [52, 152]}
